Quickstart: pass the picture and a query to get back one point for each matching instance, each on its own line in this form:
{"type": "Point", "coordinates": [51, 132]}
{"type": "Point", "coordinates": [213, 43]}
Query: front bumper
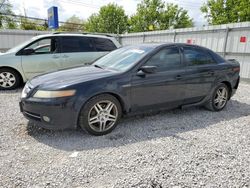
{"type": "Point", "coordinates": [53, 114]}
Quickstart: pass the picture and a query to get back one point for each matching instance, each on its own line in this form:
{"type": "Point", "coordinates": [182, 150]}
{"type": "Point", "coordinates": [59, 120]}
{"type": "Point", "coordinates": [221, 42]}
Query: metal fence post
{"type": "Point", "coordinates": [119, 38]}
{"type": "Point", "coordinates": [143, 39]}
{"type": "Point", "coordinates": [225, 42]}
{"type": "Point", "coordinates": [175, 35]}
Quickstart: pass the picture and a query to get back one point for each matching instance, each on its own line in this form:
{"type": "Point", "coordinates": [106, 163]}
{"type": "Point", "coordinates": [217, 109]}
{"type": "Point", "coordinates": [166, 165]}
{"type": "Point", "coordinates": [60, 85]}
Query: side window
{"type": "Point", "coordinates": [102, 44]}
{"type": "Point", "coordinates": [44, 46]}
{"type": "Point", "coordinates": [76, 44]}
{"type": "Point", "coordinates": [195, 56]}
{"type": "Point", "coordinates": [166, 59]}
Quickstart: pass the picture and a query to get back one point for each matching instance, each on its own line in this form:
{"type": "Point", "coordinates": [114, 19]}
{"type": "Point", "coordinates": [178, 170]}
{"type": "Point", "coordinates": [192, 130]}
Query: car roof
{"type": "Point", "coordinates": [150, 45]}
{"type": "Point", "coordinates": [77, 35]}
{"type": "Point", "coordinates": [161, 44]}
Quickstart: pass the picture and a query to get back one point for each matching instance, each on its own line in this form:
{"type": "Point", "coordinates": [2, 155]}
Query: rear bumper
{"type": "Point", "coordinates": [236, 85]}
{"type": "Point", "coordinates": [54, 115]}
{"type": "Point", "coordinates": [233, 92]}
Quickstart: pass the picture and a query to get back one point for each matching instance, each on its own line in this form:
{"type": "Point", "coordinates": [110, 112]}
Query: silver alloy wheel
{"type": "Point", "coordinates": [102, 116]}
{"type": "Point", "coordinates": [221, 97]}
{"type": "Point", "coordinates": [7, 79]}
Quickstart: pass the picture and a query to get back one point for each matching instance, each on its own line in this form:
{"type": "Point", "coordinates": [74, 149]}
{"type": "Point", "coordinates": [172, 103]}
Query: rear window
{"type": "Point", "coordinates": [217, 57]}
{"type": "Point", "coordinates": [102, 44]}
{"type": "Point", "coordinates": [194, 56]}
{"type": "Point", "coordinates": [76, 44]}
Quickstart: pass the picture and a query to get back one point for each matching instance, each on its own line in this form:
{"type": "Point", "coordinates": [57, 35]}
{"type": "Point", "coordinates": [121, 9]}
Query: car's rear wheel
{"type": "Point", "coordinates": [218, 99]}
{"type": "Point", "coordinates": [9, 79]}
{"type": "Point", "coordinates": [100, 114]}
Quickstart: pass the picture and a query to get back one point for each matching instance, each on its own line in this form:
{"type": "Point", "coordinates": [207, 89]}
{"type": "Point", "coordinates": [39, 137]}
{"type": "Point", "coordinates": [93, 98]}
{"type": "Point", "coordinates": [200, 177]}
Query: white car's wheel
{"type": "Point", "coordinates": [9, 79]}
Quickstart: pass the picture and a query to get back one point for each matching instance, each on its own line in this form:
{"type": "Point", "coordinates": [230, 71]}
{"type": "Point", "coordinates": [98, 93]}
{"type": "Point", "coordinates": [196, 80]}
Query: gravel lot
{"type": "Point", "coordinates": [179, 148]}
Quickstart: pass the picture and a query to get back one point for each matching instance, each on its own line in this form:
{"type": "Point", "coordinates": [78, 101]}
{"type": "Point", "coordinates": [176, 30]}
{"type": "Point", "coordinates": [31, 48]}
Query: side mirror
{"type": "Point", "coordinates": [148, 69]}
{"type": "Point", "coordinates": [28, 51]}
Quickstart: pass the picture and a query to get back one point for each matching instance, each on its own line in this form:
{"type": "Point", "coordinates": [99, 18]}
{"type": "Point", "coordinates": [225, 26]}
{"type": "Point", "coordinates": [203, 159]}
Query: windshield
{"type": "Point", "coordinates": [19, 46]}
{"type": "Point", "coordinates": [124, 58]}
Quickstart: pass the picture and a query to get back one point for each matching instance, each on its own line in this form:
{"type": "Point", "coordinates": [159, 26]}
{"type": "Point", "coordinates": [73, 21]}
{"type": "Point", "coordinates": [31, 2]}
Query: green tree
{"type": "Point", "coordinates": [226, 11]}
{"type": "Point", "coordinates": [175, 17]}
{"type": "Point", "coordinates": [148, 16]}
{"type": "Point", "coordinates": [156, 15]}
{"type": "Point", "coordinates": [110, 19]}
{"type": "Point", "coordinates": [74, 23]}
{"type": "Point", "coordinates": [27, 24]}
{"type": "Point", "coordinates": [93, 23]}
{"type": "Point", "coordinates": [6, 20]}
{"type": "Point", "coordinates": [30, 24]}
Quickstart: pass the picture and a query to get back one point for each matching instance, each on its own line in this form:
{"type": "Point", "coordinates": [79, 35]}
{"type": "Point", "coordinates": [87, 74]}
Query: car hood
{"type": "Point", "coordinates": [68, 77]}
{"type": "Point", "coordinates": [6, 54]}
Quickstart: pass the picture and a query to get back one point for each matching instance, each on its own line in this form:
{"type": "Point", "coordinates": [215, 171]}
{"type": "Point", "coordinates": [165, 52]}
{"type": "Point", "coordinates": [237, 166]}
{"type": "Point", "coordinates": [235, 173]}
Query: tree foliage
{"type": "Point", "coordinates": [175, 17]}
{"type": "Point", "coordinates": [226, 11]}
{"type": "Point", "coordinates": [110, 19]}
{"type": "Point", "coordinates": [6, 21]}
{"type": "Point", "coordinates": [74, 23]}
{"type": "Point", "coordinates": [156, 15]}
{"type": "Point", "coordinates": [93, 23]}
{"type": "Point", "coordinates": [29, 24]}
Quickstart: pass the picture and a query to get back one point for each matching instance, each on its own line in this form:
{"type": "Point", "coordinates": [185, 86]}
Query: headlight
{"type": "Point", "coordinates": [53, 94]}
{"type": "Point", "coordinates": [24, 93]}
{"type": "Point", "coordinates": [27, 88]}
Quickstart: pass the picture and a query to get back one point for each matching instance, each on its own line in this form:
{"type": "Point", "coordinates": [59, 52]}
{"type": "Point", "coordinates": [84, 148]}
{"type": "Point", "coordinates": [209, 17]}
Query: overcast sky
{"type": "Point", "coordinates": [84, 8]}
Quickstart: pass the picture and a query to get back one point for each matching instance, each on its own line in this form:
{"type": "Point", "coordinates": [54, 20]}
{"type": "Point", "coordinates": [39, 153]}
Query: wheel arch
{"type": "Point", "coordinates": [18, 72]}
{"type": "Point", "coordinates": [228, 84]}
{"type": "Point", "coordinates": [117, 96]}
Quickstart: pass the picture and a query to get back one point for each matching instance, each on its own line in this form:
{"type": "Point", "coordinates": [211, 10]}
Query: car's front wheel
{"type": "Point", "coordinates": [219, 98]}
{"type": "Point", "coordinates": [9, 79]}
{"type": "Point", "coordinates": [100, 114]}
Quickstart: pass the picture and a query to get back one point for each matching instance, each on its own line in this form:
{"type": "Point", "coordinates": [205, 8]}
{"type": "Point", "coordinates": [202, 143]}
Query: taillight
{"type": "Point", "coordinates": [236, 69]}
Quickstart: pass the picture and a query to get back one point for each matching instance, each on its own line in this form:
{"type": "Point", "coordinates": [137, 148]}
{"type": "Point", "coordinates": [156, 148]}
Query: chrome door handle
{"type": "Point", "coordinates": [65, 56]}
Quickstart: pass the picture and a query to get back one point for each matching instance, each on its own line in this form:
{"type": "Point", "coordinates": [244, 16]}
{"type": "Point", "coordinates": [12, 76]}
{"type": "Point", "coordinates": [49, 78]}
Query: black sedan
{"type": "Point", "coordinates": [130, 80]}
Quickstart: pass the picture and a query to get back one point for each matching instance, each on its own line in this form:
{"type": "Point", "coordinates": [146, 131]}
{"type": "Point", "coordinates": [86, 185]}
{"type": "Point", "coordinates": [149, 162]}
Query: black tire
{"type": "Point", "coordinates": [89, 108]}
{"type": "Point", "coordinates": [13, 75]}
{"type": "Point", "coordinates": [211, 103]}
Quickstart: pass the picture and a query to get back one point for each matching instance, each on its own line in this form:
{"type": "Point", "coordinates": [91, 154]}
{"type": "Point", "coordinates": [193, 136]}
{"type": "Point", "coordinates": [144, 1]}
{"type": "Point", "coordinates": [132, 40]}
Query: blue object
{"type": "Point", "coordinates": [53, 17]}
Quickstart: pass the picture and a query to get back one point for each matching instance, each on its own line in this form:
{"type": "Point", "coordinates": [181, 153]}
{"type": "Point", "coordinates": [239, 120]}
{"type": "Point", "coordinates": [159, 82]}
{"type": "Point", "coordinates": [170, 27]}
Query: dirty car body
{"type": "Point", "coordinates": [160, 76]}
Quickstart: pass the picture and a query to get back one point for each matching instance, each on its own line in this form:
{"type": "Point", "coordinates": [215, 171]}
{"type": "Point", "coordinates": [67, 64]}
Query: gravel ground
{"type": "Point", "coordinates": [178, 148]}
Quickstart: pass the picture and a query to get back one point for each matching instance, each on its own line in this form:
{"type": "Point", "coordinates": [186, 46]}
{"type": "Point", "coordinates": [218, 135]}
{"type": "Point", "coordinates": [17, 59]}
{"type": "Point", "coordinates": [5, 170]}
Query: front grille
{"type": "Point", "coordinates": [31, 115]}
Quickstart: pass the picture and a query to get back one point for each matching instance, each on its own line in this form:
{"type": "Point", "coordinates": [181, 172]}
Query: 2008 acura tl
{"type": "Point", "coordinates": [130, 80]}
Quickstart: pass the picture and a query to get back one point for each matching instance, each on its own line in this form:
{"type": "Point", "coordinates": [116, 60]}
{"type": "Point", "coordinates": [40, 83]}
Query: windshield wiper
{"type": "Point", "coordinates": [98, 66]}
